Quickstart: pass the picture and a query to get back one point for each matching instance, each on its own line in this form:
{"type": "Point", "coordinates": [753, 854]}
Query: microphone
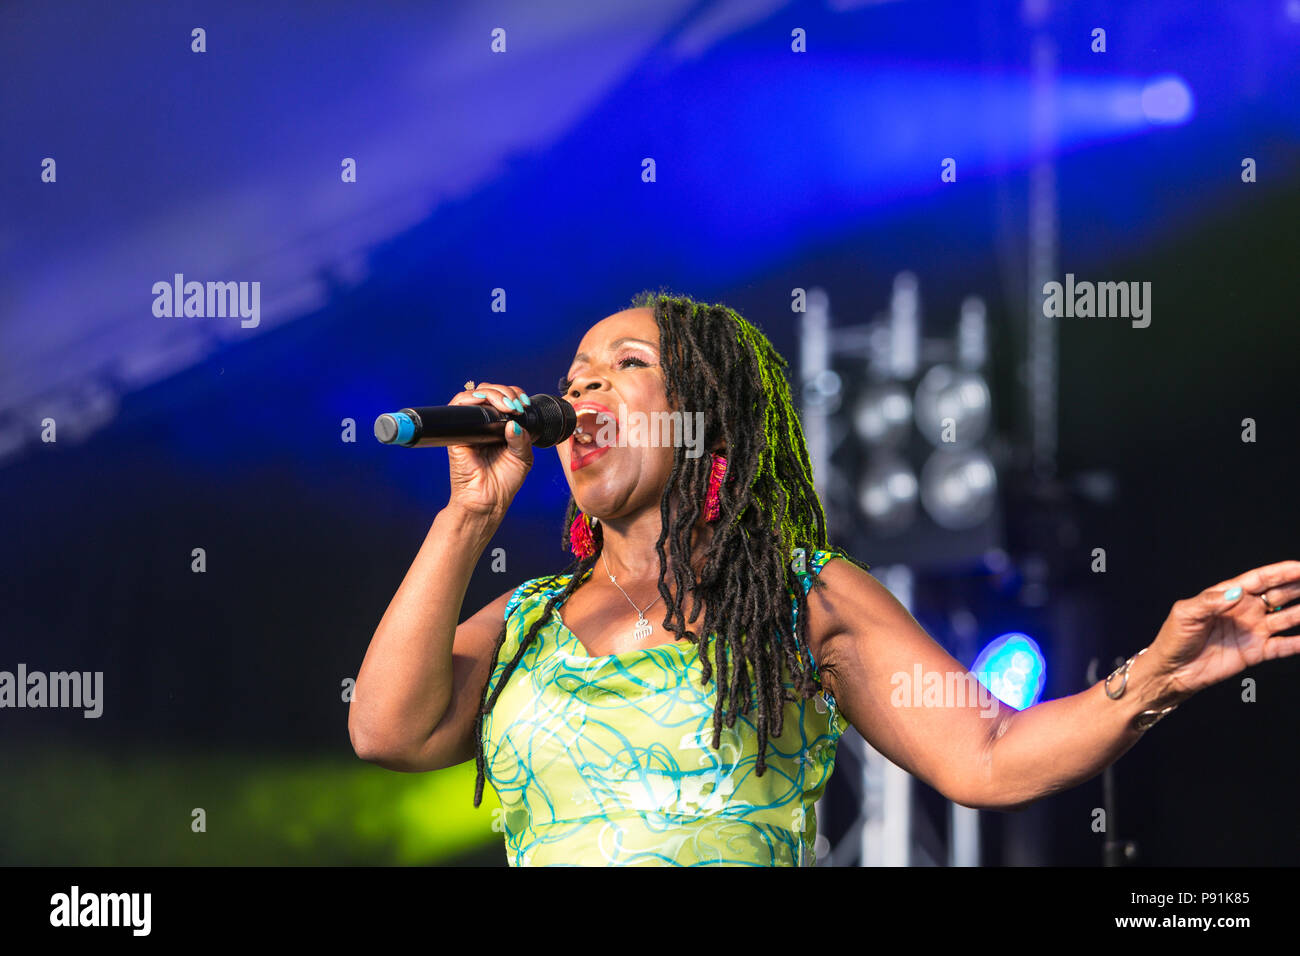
{"type": "Point", "coordinates": [549, 420]}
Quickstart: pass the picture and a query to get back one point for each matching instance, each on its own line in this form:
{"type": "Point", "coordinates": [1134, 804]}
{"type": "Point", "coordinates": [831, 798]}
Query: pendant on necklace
{"type": "Point", "coordinates": [643, 629]}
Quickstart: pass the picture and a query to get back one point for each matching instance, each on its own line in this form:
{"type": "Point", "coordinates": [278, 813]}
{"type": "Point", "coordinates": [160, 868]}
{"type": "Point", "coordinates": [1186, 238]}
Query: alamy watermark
{"type": "Point", "coordinates": [641, 429]}
{"type": "Point", "coordinates": [75, 908]}
{"type": "Point", "coordinates": [179, 298]}
{"type": "Point", "coordinates": [941, 689]}
{"type": "Point", "coordinates": [1102, 300]}
{"type": "Point", "coordinates": [75, 689]}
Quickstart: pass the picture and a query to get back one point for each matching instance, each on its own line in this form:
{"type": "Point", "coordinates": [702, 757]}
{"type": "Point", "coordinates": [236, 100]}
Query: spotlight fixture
{"type": "Point", "coordinates": [883, 417]}
{"type": "Point", "coordinates": [953, 407]}
{"type": "Point", "coordinates": [958, 488]}
{"type": "Point", "coordinates": [887, 494]}
{"type": "Point", "coordinates": [1012, 667]}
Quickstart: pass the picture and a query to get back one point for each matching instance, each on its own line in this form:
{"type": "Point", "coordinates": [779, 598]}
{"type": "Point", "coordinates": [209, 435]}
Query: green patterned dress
{"type": "Point", "coordinates": [608, 761]}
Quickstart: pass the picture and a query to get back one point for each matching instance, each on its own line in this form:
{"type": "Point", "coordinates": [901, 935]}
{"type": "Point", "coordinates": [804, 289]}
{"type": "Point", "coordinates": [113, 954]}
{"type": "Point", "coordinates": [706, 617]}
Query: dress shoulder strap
{"type": "Point", "coordinates": [812, 565]}
{"type": "Point", "coordinates": [534, 586]}
{"type": "Point", "coordinates": [806, 565]}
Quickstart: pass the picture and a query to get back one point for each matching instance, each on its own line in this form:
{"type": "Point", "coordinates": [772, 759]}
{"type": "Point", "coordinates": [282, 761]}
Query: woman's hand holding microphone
{"type": "Point", "coordinates": [485, 478]}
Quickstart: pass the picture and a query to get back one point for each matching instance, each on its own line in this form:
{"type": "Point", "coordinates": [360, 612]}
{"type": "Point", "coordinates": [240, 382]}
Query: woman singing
{"type": "Point", "coordinates": [618, 736]}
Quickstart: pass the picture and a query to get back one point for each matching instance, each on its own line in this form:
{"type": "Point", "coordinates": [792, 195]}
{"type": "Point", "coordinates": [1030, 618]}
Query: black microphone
{"type": "Point", "coordinates": [549, 420]}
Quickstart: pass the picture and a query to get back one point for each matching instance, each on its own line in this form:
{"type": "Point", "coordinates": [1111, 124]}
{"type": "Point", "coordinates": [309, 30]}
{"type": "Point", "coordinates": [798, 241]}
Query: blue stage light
{"type": "Point", "coordinates": [1166, 99]}
{"type": "Point", "coordinates": [1013, 669]}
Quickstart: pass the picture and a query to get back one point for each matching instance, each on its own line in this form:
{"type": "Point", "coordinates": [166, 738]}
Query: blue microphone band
{"type": "Point", "coordinates": [405, 428]}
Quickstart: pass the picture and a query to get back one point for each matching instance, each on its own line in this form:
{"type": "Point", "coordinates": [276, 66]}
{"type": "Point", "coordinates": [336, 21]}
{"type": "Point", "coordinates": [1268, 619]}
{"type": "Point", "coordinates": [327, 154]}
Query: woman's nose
{"type": "Point", "coordinates": [585, 383]}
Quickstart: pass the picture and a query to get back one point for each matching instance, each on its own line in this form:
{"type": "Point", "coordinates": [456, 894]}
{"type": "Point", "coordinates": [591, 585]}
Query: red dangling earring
{"type": "Point", "coordinates": [716, 475]}
{"type": "Point", "coordinates": [581, 542]}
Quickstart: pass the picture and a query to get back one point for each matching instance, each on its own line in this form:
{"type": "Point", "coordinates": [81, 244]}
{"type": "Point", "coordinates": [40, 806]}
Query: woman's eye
{"type": "Point", "coordinates": [565, 384]}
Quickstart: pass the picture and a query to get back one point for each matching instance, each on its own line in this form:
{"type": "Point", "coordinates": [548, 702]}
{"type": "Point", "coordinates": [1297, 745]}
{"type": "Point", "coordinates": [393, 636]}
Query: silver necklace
{"type": "Point", "coordinates": [643, 628]}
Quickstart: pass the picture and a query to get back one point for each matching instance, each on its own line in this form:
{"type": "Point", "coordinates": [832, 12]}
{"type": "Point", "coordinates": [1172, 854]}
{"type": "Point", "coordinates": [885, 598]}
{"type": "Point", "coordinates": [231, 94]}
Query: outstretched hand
{"type": "Point", "coordinates": [1230, 626]}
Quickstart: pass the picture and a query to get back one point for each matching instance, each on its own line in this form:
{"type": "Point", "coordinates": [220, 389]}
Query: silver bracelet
{"type": "Point", "coordinates": [1122, 671]}
{"type": "Point", "coordinates": [1148, 718]}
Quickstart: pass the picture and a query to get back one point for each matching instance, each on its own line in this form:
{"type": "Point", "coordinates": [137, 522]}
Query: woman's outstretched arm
{"type": "Point", "coordinates": [981, 753]}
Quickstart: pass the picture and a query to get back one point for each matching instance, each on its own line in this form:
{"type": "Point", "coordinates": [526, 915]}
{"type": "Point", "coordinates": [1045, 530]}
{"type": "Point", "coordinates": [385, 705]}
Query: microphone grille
{"type": "Point", "coordinates": [556, 420]}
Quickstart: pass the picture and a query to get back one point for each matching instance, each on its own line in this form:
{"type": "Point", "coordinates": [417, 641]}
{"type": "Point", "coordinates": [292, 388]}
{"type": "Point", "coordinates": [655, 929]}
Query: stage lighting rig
{"type": "Point", "coordinates": [901, 431]}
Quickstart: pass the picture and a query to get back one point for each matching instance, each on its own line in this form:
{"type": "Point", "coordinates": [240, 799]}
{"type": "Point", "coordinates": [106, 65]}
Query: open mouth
{"type": "Point", "coordinates": [596, 428]}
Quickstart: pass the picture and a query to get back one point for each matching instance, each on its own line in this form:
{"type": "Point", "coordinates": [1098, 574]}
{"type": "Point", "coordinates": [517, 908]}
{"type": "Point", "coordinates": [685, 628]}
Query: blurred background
{"type": "Point", "coordinates": [883, 187]}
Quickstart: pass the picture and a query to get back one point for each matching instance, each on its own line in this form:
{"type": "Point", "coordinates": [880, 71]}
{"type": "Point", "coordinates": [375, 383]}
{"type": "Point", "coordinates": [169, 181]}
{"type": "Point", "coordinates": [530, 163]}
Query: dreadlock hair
{"type": "Point", "coordinates": [716, 362]}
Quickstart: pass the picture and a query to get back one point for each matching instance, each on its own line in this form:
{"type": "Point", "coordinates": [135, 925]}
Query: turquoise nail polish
{"type": "Point", "coordinates": [527, 400]}
{"type": "Point", "coordinates": [517, 429]}
{"type": "Point", "coordinates": [1232, 593]}
{"type": "Point", "coordinates": [514, 403]}
{"type": "Point", "coordinates": [479, 395]}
